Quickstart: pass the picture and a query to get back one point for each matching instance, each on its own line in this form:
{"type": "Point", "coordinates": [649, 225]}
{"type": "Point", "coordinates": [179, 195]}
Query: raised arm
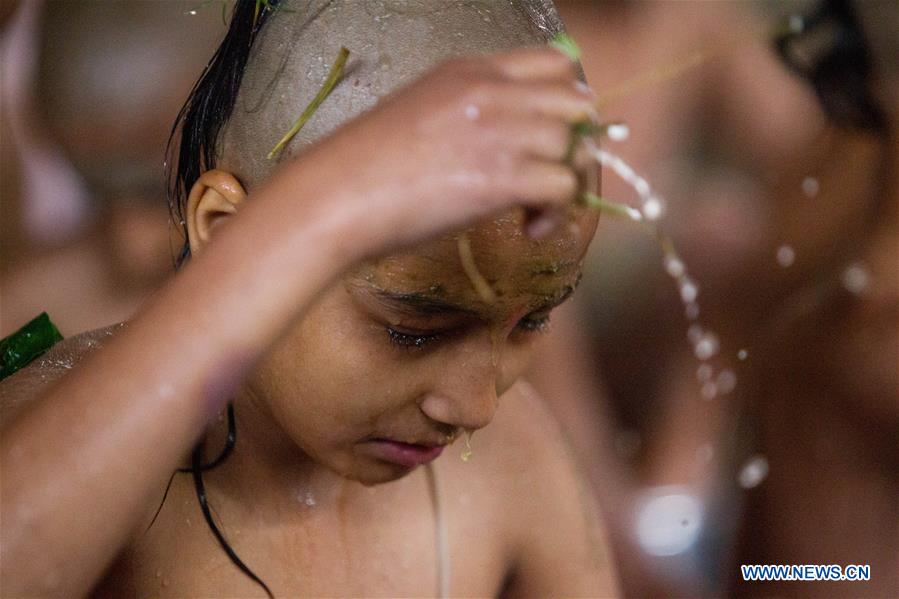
{"type": "Point", "coordinates": [81, 462]}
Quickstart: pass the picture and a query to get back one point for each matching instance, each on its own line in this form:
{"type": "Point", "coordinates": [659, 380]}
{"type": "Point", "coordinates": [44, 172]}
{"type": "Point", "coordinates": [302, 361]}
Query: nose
{"type": "Point", "coordinates": [467, 400]}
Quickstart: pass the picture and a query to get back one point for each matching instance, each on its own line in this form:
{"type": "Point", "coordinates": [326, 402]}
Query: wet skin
{"type": "Point", "coordinates": [404, 349]}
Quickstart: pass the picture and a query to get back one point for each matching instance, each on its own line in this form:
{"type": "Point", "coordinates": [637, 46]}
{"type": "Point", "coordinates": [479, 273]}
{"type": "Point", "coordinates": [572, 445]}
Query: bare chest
{"type": "Point", "coordinates": [392, 546]}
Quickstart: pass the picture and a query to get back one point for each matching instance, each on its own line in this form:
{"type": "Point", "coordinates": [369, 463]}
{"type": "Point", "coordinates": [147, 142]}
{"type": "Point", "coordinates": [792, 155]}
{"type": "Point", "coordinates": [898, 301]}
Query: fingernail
{"type": "Point", "coordinates": [541, 226]}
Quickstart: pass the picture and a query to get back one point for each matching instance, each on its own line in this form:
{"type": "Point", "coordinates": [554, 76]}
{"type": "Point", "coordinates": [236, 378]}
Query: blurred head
{"type": "Point", "coordinates": [402, 348]}
{"type": "Point", "coordinates": [111, 76]}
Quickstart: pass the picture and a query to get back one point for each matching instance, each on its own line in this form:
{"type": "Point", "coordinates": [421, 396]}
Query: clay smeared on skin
{"type": "Point", "coordinates": [522, 272]}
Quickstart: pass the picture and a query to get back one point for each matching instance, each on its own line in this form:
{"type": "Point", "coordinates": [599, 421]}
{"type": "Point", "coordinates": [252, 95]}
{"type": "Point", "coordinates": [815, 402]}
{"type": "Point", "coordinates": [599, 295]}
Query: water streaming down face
{"type": "Point", "coordinates": [401, 349]}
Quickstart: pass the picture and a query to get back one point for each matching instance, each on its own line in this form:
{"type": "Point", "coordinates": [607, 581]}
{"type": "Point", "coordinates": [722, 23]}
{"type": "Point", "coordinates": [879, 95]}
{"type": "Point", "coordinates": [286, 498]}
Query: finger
{"type": "Point", "coordinates": [534, 136]}
{"type": "Point", "coordinates": [562, 100]}
{"type": "Point", "coordinates": [583, 161]}
{"type": "Point", "coordinates": [541, 63]}
{"type": "Point", "coordinates": [539, 182]}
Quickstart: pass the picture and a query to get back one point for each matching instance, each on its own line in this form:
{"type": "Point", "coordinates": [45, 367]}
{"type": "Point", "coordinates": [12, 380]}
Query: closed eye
{"type": "Point", "coordinates": [534, 323]}
{"type": "Point", "coordinates": [411, 340]}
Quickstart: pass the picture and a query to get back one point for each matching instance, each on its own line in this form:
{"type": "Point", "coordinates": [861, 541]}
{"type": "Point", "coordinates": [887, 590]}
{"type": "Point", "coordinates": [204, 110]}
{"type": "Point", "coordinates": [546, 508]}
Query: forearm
{"type": "Point", "coordinates": [79, 466]}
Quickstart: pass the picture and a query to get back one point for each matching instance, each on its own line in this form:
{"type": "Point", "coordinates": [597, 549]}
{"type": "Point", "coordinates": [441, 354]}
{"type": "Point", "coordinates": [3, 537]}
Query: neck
{"type": "Point", "coordinates": [267, 466]}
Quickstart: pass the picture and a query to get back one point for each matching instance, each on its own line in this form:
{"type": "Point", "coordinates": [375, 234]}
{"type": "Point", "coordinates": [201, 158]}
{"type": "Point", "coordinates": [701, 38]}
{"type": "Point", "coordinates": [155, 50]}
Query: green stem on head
{"type": "Point", "coordinates": [480, 284]}
{"type": "Point", "coordinates": [324, 92]}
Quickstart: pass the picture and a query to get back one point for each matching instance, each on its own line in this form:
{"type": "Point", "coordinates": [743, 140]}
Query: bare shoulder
{"type": "Point", "coordinates": [28, 383]}
{"type": "Point", "coordinates": [556, 538]}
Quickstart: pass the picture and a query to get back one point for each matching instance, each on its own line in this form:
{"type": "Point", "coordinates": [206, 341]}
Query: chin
{"type": "Point", "coordinates": [376, 472]}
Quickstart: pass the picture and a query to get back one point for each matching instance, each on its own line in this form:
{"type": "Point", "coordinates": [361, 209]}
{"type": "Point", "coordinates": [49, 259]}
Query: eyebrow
{"type": "Point", "coordinates": [422, 304]}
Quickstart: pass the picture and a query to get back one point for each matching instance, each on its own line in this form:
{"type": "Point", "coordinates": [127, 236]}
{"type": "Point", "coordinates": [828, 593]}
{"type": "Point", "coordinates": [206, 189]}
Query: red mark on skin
{"type": "Point", "coordinates": [220, 387]}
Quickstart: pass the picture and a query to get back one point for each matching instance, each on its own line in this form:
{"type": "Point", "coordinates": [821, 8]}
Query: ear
{"type": "Point", "coordinates": [213, 199]}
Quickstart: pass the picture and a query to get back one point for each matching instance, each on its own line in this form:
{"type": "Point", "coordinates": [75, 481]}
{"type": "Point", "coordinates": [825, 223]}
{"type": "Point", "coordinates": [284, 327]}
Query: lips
{"type": "Point", "coordinates": [408, 455]}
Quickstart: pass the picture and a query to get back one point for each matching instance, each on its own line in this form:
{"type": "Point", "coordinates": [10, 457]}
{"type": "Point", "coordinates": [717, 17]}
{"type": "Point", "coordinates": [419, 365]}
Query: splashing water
{"type": "Point", "coordinates": [618, 131]}
{"type": "Point", "coordinates": [668, 520]}
{"type": "Point", "coordinates": [753, 472]}
{"type": "Point", "coordinates": [855, 278]}
{"type": "Point", "coordinates": [786, 255]}
{"type": "Point", "coordinates": [704, 342]}
{"type": "Point", "coordinates": [651, 208]}
{"type": "Point", "coordinates": [810, 187]}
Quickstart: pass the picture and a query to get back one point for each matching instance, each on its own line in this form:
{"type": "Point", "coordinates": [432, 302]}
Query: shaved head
{"type": "Point", "coordinates": [391, 43]}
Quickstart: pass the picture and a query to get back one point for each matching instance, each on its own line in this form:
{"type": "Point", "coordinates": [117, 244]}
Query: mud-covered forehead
{"type": "Point", "coordinates": [391, 43]}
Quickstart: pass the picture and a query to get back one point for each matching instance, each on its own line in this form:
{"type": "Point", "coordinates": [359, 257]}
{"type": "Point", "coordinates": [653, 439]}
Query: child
{"type": "Point", "coordinates": [336, 315]}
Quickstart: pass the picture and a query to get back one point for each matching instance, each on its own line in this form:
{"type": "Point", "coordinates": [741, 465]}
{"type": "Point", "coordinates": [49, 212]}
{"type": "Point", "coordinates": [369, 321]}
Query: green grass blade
{"type": "Point", "coordinates": [324, 92]}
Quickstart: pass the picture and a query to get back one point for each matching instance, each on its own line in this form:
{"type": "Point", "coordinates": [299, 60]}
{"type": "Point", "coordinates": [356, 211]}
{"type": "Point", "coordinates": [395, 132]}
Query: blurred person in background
{"type": "Point", "coordinates": [822, 400]}
{"type": "Point", "coordinates": [106, 84]}
{"type": "Point", "coordinates": [768, 194]}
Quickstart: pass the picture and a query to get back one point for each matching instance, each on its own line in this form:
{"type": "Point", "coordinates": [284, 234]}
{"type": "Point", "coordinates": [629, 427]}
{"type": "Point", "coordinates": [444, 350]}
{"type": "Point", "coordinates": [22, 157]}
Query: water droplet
{"type": "Point", "coordinates": [709, 390]}
{"type": "Point", "coordinates": [810, 187]}
{"type": "Point", "coordinates": [704, 373]}
{"type": "Point", "coordinates": [472, 112]}
{"type": "Point", "coordinates": [668, 521]}
{"type": "Point", "coordinates": [466, 453]}
{"type": "Point", "coordinates": [694, 333]}
{"type": "Point", "coordinates": [618, 131]}
{"type": "Point", "coordinates": [688, 291]}
{"type": "Point", "coordinates": [652, 208]}
{"type": "Point", "coordinates": [692, 311]}
{"type": "Point", "coordinates": [742, 354]}
{"type": "Point", "coordinates": [707, 346]}
{"type": "Point", "coordinates": [306, 498]}
{"type": "Point", "coordinates": [785, 256]}
{"type": "Point", "coordinates": [797, 23]}
{"type": "Point", "coordinates": [674, 266]}
{"type": "Point", "coordinates": [855, 278]}
{"type": "Point", "coordinates": [191, 12]}
{"type": "Point", "coordinates": [634, 214]}
{"type": "Point", "coordinates": [158, 573]}
{"type": "Point", "coordinates": [641, 187]}
{"type": "Point", "coordinates": [753, 472]}
{"type": "Point", "coordinates": [726, 381]}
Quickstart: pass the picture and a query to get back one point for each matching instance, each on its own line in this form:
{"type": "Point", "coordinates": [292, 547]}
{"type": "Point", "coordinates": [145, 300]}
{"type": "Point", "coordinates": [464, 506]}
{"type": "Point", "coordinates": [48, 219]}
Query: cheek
{"type": "Point", "coordinates": [515, 359]}
{"type": "Point", "coordinates": [329, 378]}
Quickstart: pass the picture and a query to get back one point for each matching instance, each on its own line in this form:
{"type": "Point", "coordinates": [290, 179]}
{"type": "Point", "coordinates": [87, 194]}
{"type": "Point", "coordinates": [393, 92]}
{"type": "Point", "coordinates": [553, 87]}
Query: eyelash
{"type": "Point", "coordinates": [409, 341]}
{"type": "Point", "coordinates": [534, 324]}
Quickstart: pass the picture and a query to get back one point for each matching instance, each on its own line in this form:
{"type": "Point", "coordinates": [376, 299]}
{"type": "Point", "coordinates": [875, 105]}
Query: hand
{"type": "Point", "coordinates": [472, 137]}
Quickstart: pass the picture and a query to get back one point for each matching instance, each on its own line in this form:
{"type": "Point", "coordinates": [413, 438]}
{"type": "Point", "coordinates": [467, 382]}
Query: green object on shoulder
{"type": "Point", "coordinates": [26, 344]}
